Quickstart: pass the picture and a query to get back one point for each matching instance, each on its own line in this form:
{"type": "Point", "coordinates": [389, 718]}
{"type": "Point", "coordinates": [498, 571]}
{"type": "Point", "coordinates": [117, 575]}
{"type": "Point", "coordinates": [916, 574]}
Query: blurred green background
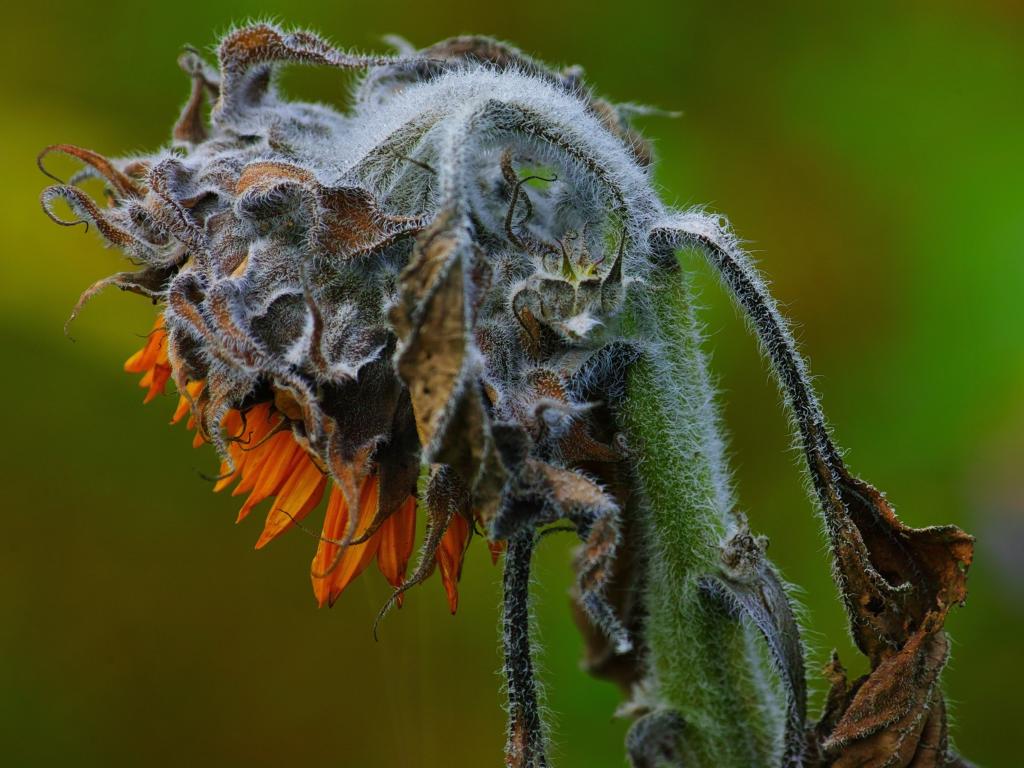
{"type": "Point", "coordinates": [872, 157]}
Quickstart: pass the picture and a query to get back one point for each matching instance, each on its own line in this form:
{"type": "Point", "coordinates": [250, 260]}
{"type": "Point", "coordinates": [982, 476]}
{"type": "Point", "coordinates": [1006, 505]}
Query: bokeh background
{"type": "Point", "coordinates": [872, 156]}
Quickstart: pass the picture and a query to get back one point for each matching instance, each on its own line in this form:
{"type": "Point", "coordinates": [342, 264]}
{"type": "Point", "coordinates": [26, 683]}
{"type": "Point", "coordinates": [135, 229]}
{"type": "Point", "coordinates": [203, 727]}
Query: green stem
{"type": "Point", "coordinates": [701, 663]}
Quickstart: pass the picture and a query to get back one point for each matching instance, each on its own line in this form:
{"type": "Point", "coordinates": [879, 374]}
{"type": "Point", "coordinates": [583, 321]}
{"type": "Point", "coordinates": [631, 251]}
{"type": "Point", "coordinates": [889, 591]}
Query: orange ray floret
{"type": "Point", "coordinates": [268, 463]}
{"type": "Point", "coordinates": [184, 408]}
{"type": "Point", "coordinates": [299, 494]}
{"type": "Point", "coordinates": [152, 362]}
{"type": "Point", "coordinates": [449, 557]}
{"type": "Point", "coordinates": [397, 537]}
{"type": "Point", "coordinates": [143, 360]}
{"type": "Point", "coordinates": [245, 445]}
{"type": "Point", "coordinates": [329, 585]}
{"type": "Point", "coordinates": [282, 456]}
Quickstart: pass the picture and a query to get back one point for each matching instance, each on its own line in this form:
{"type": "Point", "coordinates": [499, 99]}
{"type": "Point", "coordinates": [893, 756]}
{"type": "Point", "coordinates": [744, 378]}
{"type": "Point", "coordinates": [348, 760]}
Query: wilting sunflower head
{"type": "Point", "coordinates": [433, 279]}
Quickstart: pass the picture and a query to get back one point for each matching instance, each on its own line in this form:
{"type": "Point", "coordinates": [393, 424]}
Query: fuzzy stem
{"type": "Point", "coordinates": [525, 746]}
{"type": "Point", "coordinates": [702, 664]}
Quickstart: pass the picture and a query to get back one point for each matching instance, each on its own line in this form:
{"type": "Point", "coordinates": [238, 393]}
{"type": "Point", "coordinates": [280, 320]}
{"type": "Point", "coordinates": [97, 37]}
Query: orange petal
{"type": "Point", "coordinates": [353, 563]}
{"type": "Point", "coordinates": [161, 374]}
{"type": "Point", "coordinates": [226, 479]}
{"type": "Point", "coordinates": [232, 423]}
{"type": "Point", "coordinates": [255, 451]}
{"type": "Point", "coordinates": [356, 557]}
{"type": "Point", "coordinates": [397, 537]}
{"type": "Point", "coordinates": [146, 357]}
{"type": "Point", "coordinates": [496, 547]}
{"type": "Point", "coordinates": [194, 388]}
{"type": "Point", "coordinates": [449, 557]}
{"type": "Point", "coordinates": [273, 472]}
{"type": "Point", "coordinates": [335, 522]}
{"type": "Point", "coordinates": [251, 468]}
{"type": "Point", "coordinates": [257, 425]}
{"type": "Point", "coordinates": [300, 493]}
{"type": "Point", "coordinates": [137, 362]}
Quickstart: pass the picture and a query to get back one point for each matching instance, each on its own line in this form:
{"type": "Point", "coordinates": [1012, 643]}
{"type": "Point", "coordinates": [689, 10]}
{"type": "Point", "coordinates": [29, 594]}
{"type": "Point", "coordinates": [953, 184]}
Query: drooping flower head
{"type": "Point", "coordinates": [429, 279]}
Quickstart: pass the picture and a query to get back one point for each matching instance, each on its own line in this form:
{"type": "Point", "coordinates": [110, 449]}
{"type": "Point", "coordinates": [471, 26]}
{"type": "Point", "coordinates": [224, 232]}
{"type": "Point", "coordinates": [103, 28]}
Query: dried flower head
{"type": "Point", "coordinates": [460, 274]}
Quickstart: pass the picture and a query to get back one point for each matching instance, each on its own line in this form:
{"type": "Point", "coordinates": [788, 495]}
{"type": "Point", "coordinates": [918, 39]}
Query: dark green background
{"type": "Point", "coordinates": [872, 158]}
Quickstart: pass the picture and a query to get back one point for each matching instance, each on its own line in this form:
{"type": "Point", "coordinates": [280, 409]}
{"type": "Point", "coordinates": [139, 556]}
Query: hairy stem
{"type": "Point", "coordinates": [704, 665]}
{"type": "Point", "coordinates": [525, 746]}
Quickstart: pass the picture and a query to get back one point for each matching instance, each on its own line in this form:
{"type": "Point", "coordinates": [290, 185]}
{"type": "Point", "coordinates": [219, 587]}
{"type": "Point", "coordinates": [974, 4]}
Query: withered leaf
{"type": "Point", "coordinates": [898, 584]}
{"type": "Point", "coordinates": [896, 715]}
{"type": "Point", "coordinates": [190, 126]}
{"type": "Point", "coordinates": [460, 441]}
{"type": "Point", "coordinates": [433, 360]}
{"type": "Point", "coordinates": [89, 212]}
{"type": "Point", "coordinates": [150, 282]}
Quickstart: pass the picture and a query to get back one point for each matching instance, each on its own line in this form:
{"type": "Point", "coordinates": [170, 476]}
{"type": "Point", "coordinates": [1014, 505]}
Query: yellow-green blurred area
{"type": "Point", "coordinates": [871, 155]}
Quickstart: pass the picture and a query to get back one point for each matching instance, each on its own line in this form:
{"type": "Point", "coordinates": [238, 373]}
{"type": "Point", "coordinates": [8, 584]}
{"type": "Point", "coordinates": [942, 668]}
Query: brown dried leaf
{"type": "Point", "coordinates": [898, 584]}
{"type": "Point", "coordinates": [894, 576]}
{"type": "Point", "coordinates": [896, 715]}
{"type": "Point", "coordinates": [505, 447]}
{"type": "Point", "coordinates": [430, 320]}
